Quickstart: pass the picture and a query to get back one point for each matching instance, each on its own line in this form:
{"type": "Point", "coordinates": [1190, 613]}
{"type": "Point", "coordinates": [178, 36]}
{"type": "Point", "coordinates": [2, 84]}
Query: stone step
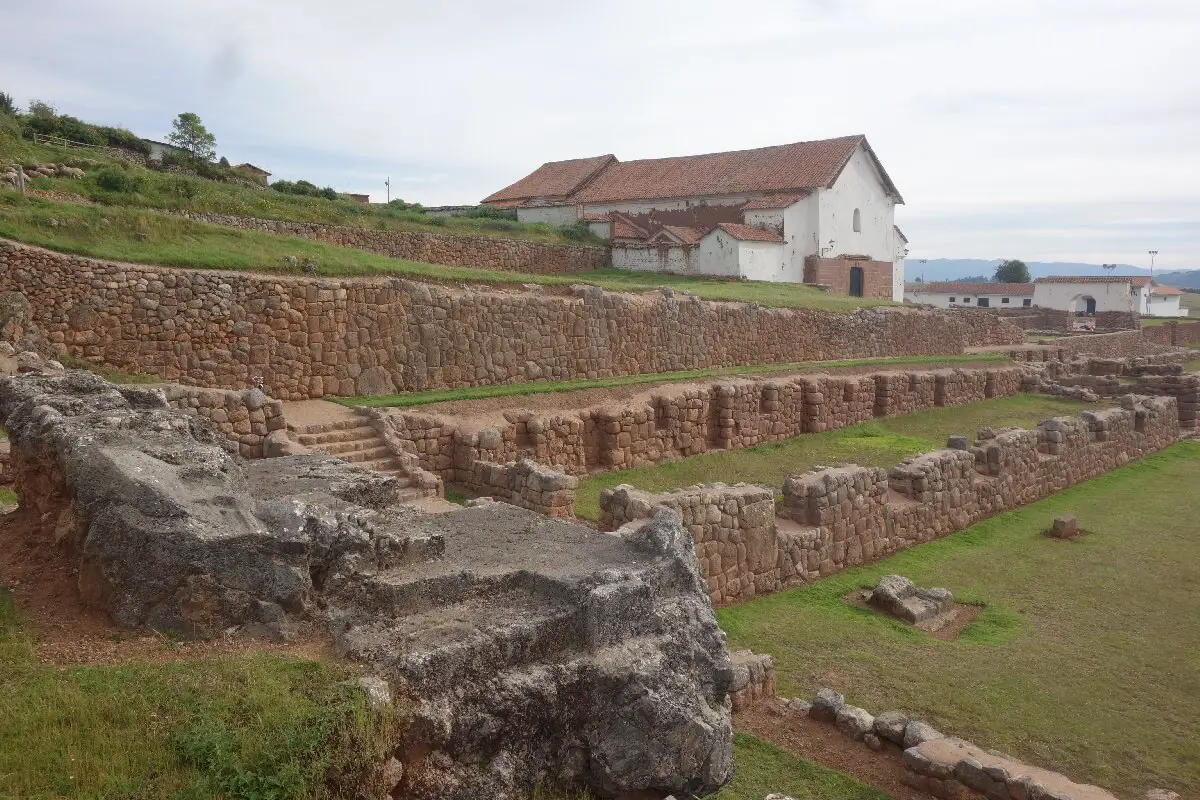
{"type": "Point", "coordinates": [348, 434]}
{"type": "Point", "coordinates": [341, 448]}
{"type": "Point", "coordinates": [328, 427]}
{"type": "Point", "coordinates": [379, 454]}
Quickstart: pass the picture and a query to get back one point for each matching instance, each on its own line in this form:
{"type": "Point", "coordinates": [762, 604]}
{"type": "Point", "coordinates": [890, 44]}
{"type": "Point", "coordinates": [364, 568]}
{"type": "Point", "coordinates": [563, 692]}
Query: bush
{"type": "Point", "coordinates": [6, 103]}
{"type": "Point", "coordinates": [124, 139]}
{"type": "Point", "coordinates": [115, 179]}
{"type": "Point", "coordinates": [305, 189]}
{"type": "Point", "coordinates": [578, 232]}
{"type": "Point", "coordinates": [184, 187]}
{"type": "Point", "coordinates": [488, 212]}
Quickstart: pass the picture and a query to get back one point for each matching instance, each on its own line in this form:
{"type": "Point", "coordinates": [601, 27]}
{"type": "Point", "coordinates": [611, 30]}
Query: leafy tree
{"type": "Point", "coordinates": [188, 132]}
{"type": "Point", "coordinates": [1012, 271]}
{"type": "Point", "coordinates": [224, 162]}
{"type": "Point", "coordinates": [6, 103]}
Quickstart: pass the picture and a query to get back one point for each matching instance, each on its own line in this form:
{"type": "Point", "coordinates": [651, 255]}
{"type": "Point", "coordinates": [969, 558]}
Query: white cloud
{"type": "Point", "coordinates": [1011, 126]}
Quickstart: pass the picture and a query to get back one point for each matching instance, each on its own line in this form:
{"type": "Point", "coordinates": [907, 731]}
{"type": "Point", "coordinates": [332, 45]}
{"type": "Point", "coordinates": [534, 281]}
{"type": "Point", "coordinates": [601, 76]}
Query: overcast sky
{"type": "Point", "coordinates": [1037, 129]}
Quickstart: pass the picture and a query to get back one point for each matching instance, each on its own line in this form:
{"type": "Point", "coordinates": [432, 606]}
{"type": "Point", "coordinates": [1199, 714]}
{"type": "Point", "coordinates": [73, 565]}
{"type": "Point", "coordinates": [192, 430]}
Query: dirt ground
{"type": "Point", "coordinates": [474, 415]}
{"type": "Point", "coordinates": [43, 583]}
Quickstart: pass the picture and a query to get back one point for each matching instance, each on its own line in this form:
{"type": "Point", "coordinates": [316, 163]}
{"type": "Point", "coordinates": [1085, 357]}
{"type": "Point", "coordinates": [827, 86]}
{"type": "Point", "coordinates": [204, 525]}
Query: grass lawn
{"type": "Point", "coordinates": [763, 768]}
{"type": "Point", "coordinates": [410, 399]}
{"type": "Point", "coordinates": [239, 726]}
{"type": "Point", "coordinates": [142, 236]}
{"type": "Point", "coordinates": [878, 443]}
{"type": "Point", "coordinates": [1083, 660]}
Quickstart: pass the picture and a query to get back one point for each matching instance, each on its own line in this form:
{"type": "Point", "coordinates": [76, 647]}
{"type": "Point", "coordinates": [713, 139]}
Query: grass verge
{"type": "Point", "coordinates": [243, 725]}
{"type": "Point", "coordinates": [763, 768]}
{"type": "Point", "coordinates": [142, 236]}
{"type": "Point", "coordinates": [410, 399]}
{"type": "Point", "coordinates": [1083, 659]}
{"type": "Point", "coordinates": [878, 443]}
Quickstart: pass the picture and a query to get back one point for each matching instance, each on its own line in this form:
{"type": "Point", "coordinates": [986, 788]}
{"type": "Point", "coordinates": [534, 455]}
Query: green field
{"type": "Point", "coordinates": [763, 768]}
{"type": "Point", "coordinates": [242, 725]}
{"type": "Point", "coordinates": [146, 237]}
{"type": "Point", "coordinates": [1084, 658]}
{"type": "Point", "coordinates": [878, 443]}
{"type": "Point", "coordinates": [411, 399]}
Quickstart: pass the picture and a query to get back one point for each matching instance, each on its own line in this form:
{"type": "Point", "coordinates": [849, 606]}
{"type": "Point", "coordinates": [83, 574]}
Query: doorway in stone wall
{"type": "Point", "coordinates": [856, 282]}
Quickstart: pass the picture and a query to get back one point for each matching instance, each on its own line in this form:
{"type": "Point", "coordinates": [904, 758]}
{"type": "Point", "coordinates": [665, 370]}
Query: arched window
{"type": "Point", "coordinates": [857, 221]}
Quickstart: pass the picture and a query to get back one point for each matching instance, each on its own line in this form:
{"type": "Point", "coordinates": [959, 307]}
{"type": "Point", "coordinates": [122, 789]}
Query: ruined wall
{"type": "Point", "coordinates": [245, 417]}
{"type": "Point", "coordinates": [1173, 333]}
{"type": "Point", "coordinates": [678, 422]}
{"type": "Point", "coordinates": [313, 337]}
{"type": "Point", "coordinates": [1113, 345]}
{"type": "Point", "coordinates": [1184, 388]}
{"type": "Point", "coordinates": [513, 255]}
{"type": "Point", "coordinates": [526, 484]}
{"type": "Point", "coordinates": [833, 519]}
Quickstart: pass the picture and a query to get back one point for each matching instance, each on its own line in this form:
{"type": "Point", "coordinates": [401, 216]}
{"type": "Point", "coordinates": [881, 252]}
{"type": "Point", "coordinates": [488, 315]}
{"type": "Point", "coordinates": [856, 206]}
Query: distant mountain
{"type": "Point", "coordinates": [957, 269]}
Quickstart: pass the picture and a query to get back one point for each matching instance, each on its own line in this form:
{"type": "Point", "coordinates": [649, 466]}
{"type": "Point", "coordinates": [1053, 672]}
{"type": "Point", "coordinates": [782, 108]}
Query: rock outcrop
{"type": "Point", "coordinates": [525, 650]}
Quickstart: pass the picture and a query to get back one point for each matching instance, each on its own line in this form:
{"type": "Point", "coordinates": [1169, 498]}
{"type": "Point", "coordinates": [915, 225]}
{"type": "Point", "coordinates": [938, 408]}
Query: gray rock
{"type": "Point", "coordinates": [379, 694]}
{"type": "Point", "coordinates": [798, 706]}
{"type": "Point", "coordinates": [917, 732]}
{"type": "Point", "coordinates": [899, 597]}
{"type": "Point", "coordinates": [1162, 794]}
{"type": "Point", "coordinates": [872, 741]}
{"type": "Point", "coordinates": [890, 725]}
{"type": "Point", "coordinates": [854, 721]}
{"type": "Point", "coordinates": [958, 443]}
{"type": "Point", "coordinates": [826, 704]}
{"type": "Point", "coordinates": [607, 651]}
{"type": "Point", "coordinates": [277, 444]}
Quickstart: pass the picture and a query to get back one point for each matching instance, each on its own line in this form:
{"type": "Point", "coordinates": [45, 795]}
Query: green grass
{"type": "Point", "coordinates": [160, 190]}
{"type": "Point", "coordinates": [1192, 365]}
{"type": "Point", "coordinates": [108, 373]}
{"type": "Point", "coordinates": [1084, 659]}
{"type": "Point", "coordinates": [763, 768]}
{"type": "Point", "coordinates": [878, 443]}
{"type": "Point", "coordinates": [8, 497]}
{"type": "Point", "coordinates": [241, 726]}
{"type": "Point", "coordinates": [142, 236]}
{"type": "Point", "coordinates": [410, 399]}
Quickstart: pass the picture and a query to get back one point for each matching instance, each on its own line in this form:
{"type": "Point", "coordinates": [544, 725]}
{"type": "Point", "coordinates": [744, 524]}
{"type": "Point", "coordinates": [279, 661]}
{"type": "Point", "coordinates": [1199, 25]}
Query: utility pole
{"type": "Point", "coordinates": [388, 183]}
{"type": "Point", "coordinates": [1153, 253]}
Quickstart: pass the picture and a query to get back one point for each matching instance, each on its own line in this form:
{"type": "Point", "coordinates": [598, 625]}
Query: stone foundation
{"type": "Point", "coordinates": [526, 484]}
{"type": "Point", "coordinates": [833, 519]}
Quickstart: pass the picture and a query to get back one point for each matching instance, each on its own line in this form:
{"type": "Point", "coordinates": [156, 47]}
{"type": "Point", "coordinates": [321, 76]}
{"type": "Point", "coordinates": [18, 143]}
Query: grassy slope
{"type": "Point", "coordinates": [410, 399]}
{"type": "Point", "coordinates": [879, 443]}
{"type": "Point", "coordinates": [142, 236]}
{"type": "Point", "coordinates": [229, 726]}
{"type": "Point", "coordinates": [763, 768]}
{"type": "Point", "coordinates": [1084, 659]}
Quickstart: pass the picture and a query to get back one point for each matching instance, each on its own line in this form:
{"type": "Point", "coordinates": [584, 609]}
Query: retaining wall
{"type": "Point", "coordinates": [834, 519]}
{"type": "Point", "coordinates": [311, 337]}
{"type": "Point", "coordinates": [1114, 345]}
{"type": "Point", "coordinates": [677, 422]}
{"type": "Point", "coordinates": [510, 255]}
{"type": "Point", "coordinates": [526, 484]}
{"type": "Point", "coordinates": [1178, 334]}
{"type": "Point", "coordinates": [245, 417]}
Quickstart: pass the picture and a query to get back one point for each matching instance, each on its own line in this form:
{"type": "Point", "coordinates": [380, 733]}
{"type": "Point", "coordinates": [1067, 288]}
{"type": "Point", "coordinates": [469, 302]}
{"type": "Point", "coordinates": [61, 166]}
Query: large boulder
{"type": "Point", "coordinates": [528, 651]}
{"type": "Point", "coordinates": [899, 597]}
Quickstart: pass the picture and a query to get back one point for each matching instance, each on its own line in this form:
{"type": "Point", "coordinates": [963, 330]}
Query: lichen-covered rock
{"type": "Point", "coordinates": [826, 704]}
{"type": "Point", "coordinates": [899, 597]}
{"type": "Point", "coordinates": [854, 721]}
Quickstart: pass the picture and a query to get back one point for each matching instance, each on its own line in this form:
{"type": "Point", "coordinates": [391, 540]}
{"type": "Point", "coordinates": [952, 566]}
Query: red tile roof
{"type": "Point", "coordinates": [623, 228]}
{"type": "Point", "coordinates": [969, 289]}
{"type": "Point", "coordinates": [556, 179]}
{"type": "Point", "coordinates": [1165, 291]}
{"type": "Point", "coordinates": [1139, 281]}
{"type": "Point", "coordinates": [772, 201]}
{"type": "Point", "coordinates": [688, 236]}
{"type": "Point", "coordinates": [782, 168]}
{"type": "Point", "coordinates": [748, 233]}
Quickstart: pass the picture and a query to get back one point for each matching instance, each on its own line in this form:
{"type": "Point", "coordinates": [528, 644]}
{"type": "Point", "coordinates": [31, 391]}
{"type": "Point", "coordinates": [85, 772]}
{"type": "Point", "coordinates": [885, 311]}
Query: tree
{"type": "Point", "coordinates": [6, 103]}
{"type": "Point", "coordinates": [1012, 271]}
{"type": "Point", "coordinates": [188, 132]}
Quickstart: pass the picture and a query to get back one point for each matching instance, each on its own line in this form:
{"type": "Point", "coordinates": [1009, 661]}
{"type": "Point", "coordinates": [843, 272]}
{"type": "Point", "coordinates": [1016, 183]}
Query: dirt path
{"type": "Point", "coordinates": [824, 744]}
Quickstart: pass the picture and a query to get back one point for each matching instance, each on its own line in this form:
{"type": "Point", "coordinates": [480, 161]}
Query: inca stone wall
{"type": "Point", "coordinates": [526, 484]}
{"type": "Point", "coordinates": [510, 255]}
{"type": "Point", "coordinates": [245, 417]}
{"type": "Point", "coordinates": [306, 338]}
{"type": "Point", "coordinates": [834, 519]}
{"type": "Point", "coordinates": [1114, 345]}
{"type": "Point", "coordinates": [1179, 334]}
{"type": "Point", "coordinates": [684, 421]}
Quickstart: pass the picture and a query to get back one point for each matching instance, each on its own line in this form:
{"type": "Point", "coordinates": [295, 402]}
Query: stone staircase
{"type": "Point", "coordinates": [354, 440]}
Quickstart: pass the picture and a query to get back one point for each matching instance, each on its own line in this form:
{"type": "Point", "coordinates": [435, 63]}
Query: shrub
{"type": "Point", "coordinates": [115, 179]}
{"type": "Point", "coordinates": [578, 232]}
{"type": "Point", "coordinates": [184, 187]}
{"type": "Point", "coordinates": [124, 139]}
{"type": "Point", "coordinates": [488, 212]}
{"type": "Point", "coordinates": [6, 103]}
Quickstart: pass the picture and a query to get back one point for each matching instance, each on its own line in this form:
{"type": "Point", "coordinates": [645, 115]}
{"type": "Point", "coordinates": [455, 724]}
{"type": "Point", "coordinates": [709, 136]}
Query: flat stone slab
{"type": "Point", "coordinates": [948, 756]}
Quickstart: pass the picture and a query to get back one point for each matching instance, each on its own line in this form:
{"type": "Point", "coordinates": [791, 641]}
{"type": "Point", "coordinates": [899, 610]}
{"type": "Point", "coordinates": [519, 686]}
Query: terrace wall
{"type": "Point", "coordinates": [245, 417]}
{"type": "Point", "coordinates": [677, 422]}
{"type": "Point", "coordinates": [310, 337]}
{"type": "Point", "coordinates": [484, 252]}
{"type": "Point", "coordinates": [1178, 334]}
{"type": "Point", "coordinates": [834, 519]}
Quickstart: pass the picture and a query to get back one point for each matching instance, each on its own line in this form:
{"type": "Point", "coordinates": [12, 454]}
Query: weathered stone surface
{"type": "Point", "coordinates": [854, 721]}
{"type": "Point", "coordinates": [826, 704]}
{"type": "Point", "coordinates": [1065, 527]}
{"type": "Point", "coordinates": [606, 650]}
{"type": "Point", "coordinates": [890, 725]}
{"type": "Point", "coordinates": [899, 597]}
{"type": "Point", "coordinates": [917, 732]}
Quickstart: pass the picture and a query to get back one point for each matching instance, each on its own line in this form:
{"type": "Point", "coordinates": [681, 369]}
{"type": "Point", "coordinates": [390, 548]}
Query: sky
{"type": "Point", "coordinates": [1047, 130]}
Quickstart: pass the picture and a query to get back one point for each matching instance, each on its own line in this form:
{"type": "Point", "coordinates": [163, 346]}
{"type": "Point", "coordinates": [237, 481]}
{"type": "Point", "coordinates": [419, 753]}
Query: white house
{"type": "Point", "coordinates": [819, 212]}
{"type": "Point", "coordinates": [957, 294]}
{"type": "Point", "coordinates": [1164, 302]}
{"type": "Point", "coordinates": [1093, 294]}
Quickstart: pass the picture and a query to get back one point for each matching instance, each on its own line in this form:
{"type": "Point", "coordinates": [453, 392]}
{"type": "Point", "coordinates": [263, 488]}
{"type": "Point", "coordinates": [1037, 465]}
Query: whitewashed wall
{"type": "Point", "coordinates": [768, 219]}
{"type": "Point", "coordinates": [898, 275]}
{"type": "Point", "coordinates": [654, 259]}
{"type": "Point", "coordinates": [1165, 307]}
{"type": "Point", "coordinates": [761, 261]}
{"type": "Point", "coordinates": [555, 215]}
{"type": "Point", "coordinates": [1109, 296]}
{"type": "Point", "coordinates": [601, 229]}
{"type": "Point", "coordinates": [717, 254]}
{"type": "Point", "coordinates": [800, 223]}
{"type": "Point", "coordinates": [942, 300]}
{"type": "Point", "coordinates": [646, 206]}
{"type": "Point", "coordinates": [859, 186]}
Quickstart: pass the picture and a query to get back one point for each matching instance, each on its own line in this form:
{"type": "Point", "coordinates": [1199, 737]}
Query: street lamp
{"type": "Point", "coordinates": [1153, 253]}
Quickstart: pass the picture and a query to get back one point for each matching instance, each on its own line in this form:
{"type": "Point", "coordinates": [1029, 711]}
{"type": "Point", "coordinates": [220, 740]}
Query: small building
{"type": "Point", "coordinates": [160, 149]}
{"type": "Point", "coordinates": [1165, 302]}
{"type": "Point", "coordinates": [256, 174]}
{"type": "Point", "coordinates": [364, 199]}
{"type": "Point", "coordinates": [1093, 294]}
{"type": "Point", "coordinates": [822, 212]}
{"type": "Point", "coordinates": [958, 294]}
